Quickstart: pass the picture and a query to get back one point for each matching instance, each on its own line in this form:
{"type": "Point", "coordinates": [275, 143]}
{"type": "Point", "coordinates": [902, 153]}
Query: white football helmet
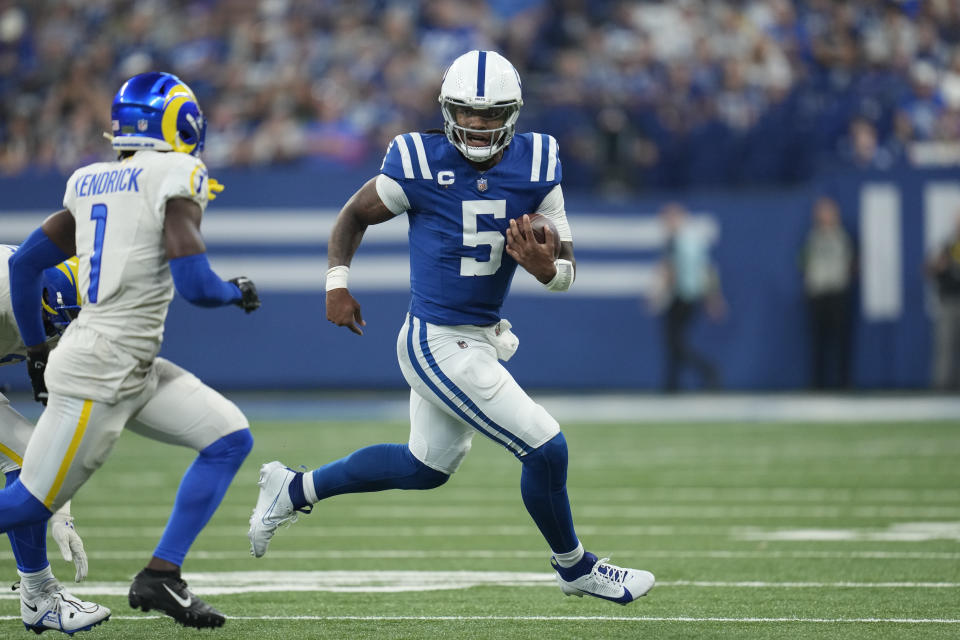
{"type": "Point", "coordinates": [483, 81]}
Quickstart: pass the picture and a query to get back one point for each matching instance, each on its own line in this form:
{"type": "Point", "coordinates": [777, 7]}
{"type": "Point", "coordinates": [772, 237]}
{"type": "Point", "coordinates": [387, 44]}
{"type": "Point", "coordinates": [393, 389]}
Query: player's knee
{"type": "Point", "coordinates": [241, 443]}
{"type": "Point", "coordinates": [536, 422]}
{"type": "Point", "coordinates": [11, 475]}
{"type": "Point", "coordinates": [552, 454]}
{"type": "Point", "coordinates": [422, 476]}
{"type": "Point", "coordinates": [428, 478]}
{"type": "Point", "coordinates": [232, 448]}
{"type": "Point", "coordinates": [19, 507]}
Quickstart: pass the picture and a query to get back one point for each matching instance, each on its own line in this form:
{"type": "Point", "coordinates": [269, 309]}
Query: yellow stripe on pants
{"type": "Point", "coordinates": [71, 453]}
{"type": "Point", "coordinates": [10, 453]}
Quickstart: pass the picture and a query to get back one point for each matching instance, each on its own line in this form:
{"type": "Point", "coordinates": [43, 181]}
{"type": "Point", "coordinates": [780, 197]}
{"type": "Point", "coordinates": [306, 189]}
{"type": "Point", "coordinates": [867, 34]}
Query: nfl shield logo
{"type": "Point", "coordinates": [142, 125]}
{"type": "Point", "coordinates": [482, 185]}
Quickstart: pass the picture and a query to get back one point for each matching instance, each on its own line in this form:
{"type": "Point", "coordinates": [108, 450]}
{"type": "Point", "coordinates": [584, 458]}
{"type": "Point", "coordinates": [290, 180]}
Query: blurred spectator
{"type": "Point", "coordinates": [659, 94]}
{"type": "Point", "coordinates": [691, 284]}
{"type": "Point", "coordinates": [944, 269]}
{"type": "Point", "coordinates": [828, 263]}
{"type": "Point", "coordinates": [863, 148]}
{"type": "Point", "coordinates": [924, 105]}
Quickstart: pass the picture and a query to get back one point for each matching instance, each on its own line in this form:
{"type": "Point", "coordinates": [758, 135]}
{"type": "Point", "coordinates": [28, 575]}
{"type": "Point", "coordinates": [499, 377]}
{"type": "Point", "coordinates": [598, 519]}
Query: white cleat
{"type": "Point", "coordinates": [274, 506]}
{"type": "Point", "coordinates": [606, 581]}
{"type": "Point", "coordinates": [55, 608]}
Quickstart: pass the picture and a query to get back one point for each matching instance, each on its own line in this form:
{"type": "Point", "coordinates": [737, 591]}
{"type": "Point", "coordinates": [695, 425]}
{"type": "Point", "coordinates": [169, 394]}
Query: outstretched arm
{"type": "Point", "coordinates": [363, 209]}
{"type": "Point", "coordinates": [189, 266]}
{"type": "Point", "coordinates": [47, 246]}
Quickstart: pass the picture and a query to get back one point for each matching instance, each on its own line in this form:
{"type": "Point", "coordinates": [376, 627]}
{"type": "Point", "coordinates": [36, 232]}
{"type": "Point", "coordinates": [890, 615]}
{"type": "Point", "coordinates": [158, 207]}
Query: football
{"type": "Point", "coordinates": [538, 222]}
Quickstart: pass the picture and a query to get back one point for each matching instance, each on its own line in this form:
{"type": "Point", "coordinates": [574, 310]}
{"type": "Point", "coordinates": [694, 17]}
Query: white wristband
{"type": "Point", "coordinates": [337, 277]}
{"type": "Point", "coordinates": [564, 277]}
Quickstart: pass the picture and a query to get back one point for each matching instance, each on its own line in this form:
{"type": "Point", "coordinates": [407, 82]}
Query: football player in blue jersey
{"type": "Point", "coordinates": [465, 193]}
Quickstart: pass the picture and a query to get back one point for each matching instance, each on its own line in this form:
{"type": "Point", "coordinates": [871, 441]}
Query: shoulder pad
{"type": "Point", "coordinates": [406, 158]}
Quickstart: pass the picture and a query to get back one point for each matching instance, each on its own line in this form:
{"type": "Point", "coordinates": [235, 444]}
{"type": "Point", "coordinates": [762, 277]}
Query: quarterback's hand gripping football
{"type": "Point", "coordinates": [36, 365]}
{"type": "Point", "coordinates": [535, 257]}
{"type": "Point", "coordinates": [344, 311]}
{"type": "Point", "coordinates": [71, 546]}
{"type": "Point", "coordinates": [249, 299]}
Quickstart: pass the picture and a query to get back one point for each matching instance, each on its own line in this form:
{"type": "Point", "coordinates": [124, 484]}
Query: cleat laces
{"type": "Point", "coordinates": [609, 572]}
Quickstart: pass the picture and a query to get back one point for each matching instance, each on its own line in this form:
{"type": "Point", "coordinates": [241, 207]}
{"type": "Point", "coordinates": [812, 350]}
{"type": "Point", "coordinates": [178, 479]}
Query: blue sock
{"type": "Point", "coordinates": [295, 491]}
{"type": "Point", "coordinates": [29, 541]}
{"type": "Point", "coordinates": [581, 568]}
{"type": "Point", "coordinates": [200, 493]}
{"type": "Point", "coordinates": [374, 468]}
{"type": "Point", "coordinates": [543, 486]}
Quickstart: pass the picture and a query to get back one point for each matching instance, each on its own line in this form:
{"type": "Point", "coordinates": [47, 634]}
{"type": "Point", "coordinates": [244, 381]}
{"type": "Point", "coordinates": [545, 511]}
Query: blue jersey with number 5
{"type": "Point", "coordinates": [459, 270]}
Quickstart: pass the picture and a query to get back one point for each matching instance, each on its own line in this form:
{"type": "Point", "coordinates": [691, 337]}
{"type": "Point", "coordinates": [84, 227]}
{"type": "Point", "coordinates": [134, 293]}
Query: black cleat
{"type": "Point", "coordinates": [169, 594]}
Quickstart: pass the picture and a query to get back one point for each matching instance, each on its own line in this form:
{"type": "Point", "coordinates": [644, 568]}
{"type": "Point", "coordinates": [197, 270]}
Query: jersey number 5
{"type": "Point", "coordinates": [99, 215]}
{"type": "Point", "coordinates": [474, 238]}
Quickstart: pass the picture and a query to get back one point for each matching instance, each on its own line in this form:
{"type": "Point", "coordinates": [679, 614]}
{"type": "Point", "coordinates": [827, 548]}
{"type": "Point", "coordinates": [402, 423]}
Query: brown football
{"type": "Point", "coordinates": [538, 222]}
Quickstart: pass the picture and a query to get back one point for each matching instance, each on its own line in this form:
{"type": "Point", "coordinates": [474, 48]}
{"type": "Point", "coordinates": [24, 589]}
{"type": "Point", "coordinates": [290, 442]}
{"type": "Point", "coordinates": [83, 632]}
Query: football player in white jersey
{"type": "Point", "coordinates": [40, 592]}
{"type": "Point", "coordinates": [134, 225]}
{"type": "Point", "coordinates": [465, 192]}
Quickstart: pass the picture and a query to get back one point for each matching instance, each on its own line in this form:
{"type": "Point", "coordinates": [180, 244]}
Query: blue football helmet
{"type": "Point", "coordinates": [157, 111]}
{"type": "Point", "coordinates": [61, 295]}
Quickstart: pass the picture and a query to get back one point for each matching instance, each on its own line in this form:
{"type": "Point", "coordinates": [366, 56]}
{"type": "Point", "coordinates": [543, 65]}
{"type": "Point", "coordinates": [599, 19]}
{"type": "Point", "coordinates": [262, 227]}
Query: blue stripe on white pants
{"type": "Point", "coordinates": [462, 395]}
{"type": "Point", "coordinates": [449, 393]}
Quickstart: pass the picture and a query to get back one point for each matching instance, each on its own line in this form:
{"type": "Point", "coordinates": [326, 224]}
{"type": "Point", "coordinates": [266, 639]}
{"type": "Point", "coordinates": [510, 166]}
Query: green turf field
{"type": "Point", "coordinates": [753, 531]}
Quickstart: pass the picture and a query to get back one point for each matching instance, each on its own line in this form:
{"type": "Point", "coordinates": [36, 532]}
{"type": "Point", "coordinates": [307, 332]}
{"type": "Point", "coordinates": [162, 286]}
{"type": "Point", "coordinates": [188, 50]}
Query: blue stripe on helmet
{"type": "Point", "coordinates": [481, 72]}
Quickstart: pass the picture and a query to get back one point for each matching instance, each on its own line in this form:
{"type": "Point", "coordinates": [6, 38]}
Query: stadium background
{"type": "Point", "coordinates": [763, 515]}
{"type": "Point", "coordinates": [744, 111]}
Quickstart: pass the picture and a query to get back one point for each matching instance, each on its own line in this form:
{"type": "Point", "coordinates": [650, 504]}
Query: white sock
{"type": "Point", "coordinates": [309, 489]}
{"type": "Point", "coordinates": [33, 582]}
{"type": "Point", "coordinates": [570, 558]}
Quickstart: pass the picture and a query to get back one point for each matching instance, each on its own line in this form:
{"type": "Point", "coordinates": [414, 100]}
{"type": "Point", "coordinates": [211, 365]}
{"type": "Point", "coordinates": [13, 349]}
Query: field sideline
{"type": "Point", "coordinates": [754, 530]}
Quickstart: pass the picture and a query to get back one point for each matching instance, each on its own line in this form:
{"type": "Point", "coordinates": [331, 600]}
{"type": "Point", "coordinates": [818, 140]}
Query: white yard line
{"type": "Point", "coordinates": [491, 554]}
{"type": "Point", "coordinates": [895, 532]}
{"type": "Point", "coordinates": [564, 618]}
{"type": "Point", "coordinates": [241, 582]}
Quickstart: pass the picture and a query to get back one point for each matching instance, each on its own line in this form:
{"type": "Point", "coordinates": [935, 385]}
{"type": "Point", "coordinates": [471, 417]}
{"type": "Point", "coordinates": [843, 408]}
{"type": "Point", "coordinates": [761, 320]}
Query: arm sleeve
{"type": "Point", "coordinates": [37, 253]}
{"type": "Point", "coordinates": [553, 208]}
{"type": "Point", "coordinates": [196, 281]}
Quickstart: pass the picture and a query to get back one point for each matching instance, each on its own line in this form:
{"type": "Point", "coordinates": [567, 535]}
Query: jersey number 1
{"type": "Point", "coordinates": [98, 214]}
{"type": "Point", "coordinates": [474, 238]}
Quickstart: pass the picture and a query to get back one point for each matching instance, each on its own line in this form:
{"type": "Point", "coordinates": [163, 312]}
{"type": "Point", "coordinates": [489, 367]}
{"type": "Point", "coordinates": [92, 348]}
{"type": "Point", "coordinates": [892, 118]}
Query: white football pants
{"type": "Point", "coordinates": [15, 432]}
{"type": "Point", "coordinates": [74, 436]}
{"type": "Point", "coordinates": [457, 387]}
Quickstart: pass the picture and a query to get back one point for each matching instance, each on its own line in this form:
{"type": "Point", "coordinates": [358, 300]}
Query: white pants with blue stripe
{"type": "Point", "coordinates": [458, 387]}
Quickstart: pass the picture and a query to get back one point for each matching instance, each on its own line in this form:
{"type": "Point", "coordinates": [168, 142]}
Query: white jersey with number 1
{"type": "Point", "coordinates": [119, 208]}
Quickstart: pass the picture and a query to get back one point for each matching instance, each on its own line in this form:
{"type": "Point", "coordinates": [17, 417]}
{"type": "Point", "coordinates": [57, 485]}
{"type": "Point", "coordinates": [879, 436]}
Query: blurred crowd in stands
{"type": "Point", "coordinates": [639, 94]}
